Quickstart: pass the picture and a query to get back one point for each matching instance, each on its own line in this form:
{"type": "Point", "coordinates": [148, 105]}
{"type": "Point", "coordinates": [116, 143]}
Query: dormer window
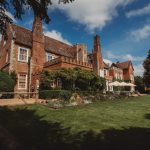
{"type": "Point", "coordinates": [49, 57]}
{"type": "Point", "coordinates": [23, 55]}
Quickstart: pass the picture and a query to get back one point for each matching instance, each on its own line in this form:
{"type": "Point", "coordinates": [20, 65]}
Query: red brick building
{"type": "Point", "coordinates": [29, 52]}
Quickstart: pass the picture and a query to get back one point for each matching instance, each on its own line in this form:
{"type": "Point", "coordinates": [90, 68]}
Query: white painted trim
{"type": "Point", "coordinates": [26, 61]}
{"type": "Point", "coordinates": [49, 54]}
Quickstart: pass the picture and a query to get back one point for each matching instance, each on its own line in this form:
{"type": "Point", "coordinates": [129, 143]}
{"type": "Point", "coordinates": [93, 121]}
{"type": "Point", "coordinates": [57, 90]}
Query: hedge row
{"type": "Point", "coordinates": [59, 94]}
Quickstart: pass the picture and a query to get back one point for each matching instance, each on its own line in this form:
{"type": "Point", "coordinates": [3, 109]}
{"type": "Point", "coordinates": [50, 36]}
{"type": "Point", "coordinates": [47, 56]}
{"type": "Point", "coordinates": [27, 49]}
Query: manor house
{"type": "Point", "coordinates": [29, 52]}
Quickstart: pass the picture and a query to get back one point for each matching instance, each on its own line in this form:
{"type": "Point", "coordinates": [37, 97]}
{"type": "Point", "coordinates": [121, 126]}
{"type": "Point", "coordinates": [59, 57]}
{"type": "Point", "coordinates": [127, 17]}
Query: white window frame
{"type": "Point", "coordinates": [101, 71]}
{"type": "Point", "coordinates": [25, 81]}
{"type": "Point", "coordinates": [105, 72]}
{"type": "Point", "coordinates": [49, 54]}
{"type": "Point", "coordinates": [19, 54]}
{"type": "Point", "coordinates": [116, 75]}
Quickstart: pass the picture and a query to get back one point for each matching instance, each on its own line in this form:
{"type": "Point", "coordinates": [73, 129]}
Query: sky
{"type": "Point", "coordinates": [123, 26]}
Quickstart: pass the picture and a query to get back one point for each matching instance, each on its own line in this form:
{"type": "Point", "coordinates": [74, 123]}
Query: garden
{"type": "Point", "coordinates": [118, 124]}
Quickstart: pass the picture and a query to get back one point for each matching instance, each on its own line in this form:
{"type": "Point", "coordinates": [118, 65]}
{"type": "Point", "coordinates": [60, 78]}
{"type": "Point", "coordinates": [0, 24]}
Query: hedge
{"type": "Point", "coordinates": [59, 94]}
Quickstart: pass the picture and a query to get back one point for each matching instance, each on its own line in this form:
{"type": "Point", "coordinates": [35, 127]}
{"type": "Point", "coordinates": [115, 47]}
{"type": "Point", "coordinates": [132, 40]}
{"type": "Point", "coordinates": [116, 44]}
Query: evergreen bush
{"type": "Point", "coordinates": [6, 84]}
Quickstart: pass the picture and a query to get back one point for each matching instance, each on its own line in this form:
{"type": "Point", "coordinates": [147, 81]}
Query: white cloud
{"type": "Point", "coordinates": [111, 55]}
{"type": "Point", "coordinates": [139, 12]}
{"type": "Point", "coordinates": [132, 58]}
{"type": "Point", "coordinates": [57, 35]}
{"type": "Point", "coordinates": [141, 33]}
{"type": "Point", "coordinates": [94, 14]}
{"type": "Point", "coordinates": [125, 57]}
{"type": "Point", "coordinates": [138, 70]}
{"type": "Point", "coordinates": [109, 62]}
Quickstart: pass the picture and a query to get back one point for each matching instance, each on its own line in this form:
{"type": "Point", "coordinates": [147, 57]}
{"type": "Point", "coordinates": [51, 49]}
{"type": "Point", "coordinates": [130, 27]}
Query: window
{"type": "Point", "coordinates": [59, 83]}
{"type": "Point", "coordinates": [116, 75]}
{"type": "Point", "coordinates": [49, 56]}
{"type": "Point", "coordinates": [23, 55]}
{"type": "Point", "coordinates": [105, 72]}
{"type": "Point", "coordinates": [101, 73]}
{"type": "Point", "coordinates": [22, 81]}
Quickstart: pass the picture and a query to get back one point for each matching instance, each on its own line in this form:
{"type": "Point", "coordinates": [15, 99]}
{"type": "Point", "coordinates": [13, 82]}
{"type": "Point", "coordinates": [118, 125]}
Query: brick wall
{"type": "Point", "coordinates": [5, 49]}
{"type": "Point", "coordinates": [97, 56]}
{"type": "Point", "coordinates": [81, 52]}
{"type": "Point", "coordinates": [127, 73]}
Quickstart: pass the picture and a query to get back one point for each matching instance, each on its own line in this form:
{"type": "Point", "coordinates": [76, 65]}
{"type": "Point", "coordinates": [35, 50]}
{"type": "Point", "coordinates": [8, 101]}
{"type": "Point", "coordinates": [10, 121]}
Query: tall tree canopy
{"type": "Point", "coordinates": [146, 66]}
{"type": "Point", "coordinates": [39, 7]}
{"type": "Point", "coordinates": [139, 84]}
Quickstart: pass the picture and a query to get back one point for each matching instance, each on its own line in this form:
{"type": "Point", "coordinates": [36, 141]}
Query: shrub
{"type": "Point", "coordinates": [6, 84]}
{"type": "Point", "coordinates": [59, 94]}
{"type": "Point", "coordinates": [72, 79]}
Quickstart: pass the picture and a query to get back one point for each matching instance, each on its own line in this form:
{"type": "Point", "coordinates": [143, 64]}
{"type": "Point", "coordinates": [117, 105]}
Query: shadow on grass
{"type": "Point", "coordinates": [24, 130]}
{"type": "Point", "coordinates": [147, 116]}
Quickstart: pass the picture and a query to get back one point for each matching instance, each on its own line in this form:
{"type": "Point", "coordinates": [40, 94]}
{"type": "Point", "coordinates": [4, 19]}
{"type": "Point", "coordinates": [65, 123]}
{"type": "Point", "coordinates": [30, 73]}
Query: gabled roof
{"type": "Point", "coordinates": [24, 36]}
{"type": "Point", "coordinates": [125, 65]}
{"type": "Point", "coordinates": [115, 65]}
{"type": "Point", "coordinates": [106, 65]}
{"type": "Point", "coordinates": [60, 48]}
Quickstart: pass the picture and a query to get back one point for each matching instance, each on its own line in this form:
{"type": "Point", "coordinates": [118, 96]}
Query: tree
{"type": "Point", "coordinates": [146, 66]}
{"type": "Point", "coordinates": [46, 80]}
{"type": "Point", "coordinates": [39, 8]}
{"type": "Point", "coordinates": [139, 84]}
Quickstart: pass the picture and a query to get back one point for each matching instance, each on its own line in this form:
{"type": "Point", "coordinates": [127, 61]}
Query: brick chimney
{"type": "Point", "coordinates": [38, 51]}
{"type": "Point", "coordinates": [97, 56]}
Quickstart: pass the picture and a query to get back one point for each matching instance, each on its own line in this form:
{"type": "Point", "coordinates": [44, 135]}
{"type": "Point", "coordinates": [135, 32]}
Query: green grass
{"type": "Point", "coordinates": [125, 122]}
{"type": "Point", "coordinates": [101, 115]}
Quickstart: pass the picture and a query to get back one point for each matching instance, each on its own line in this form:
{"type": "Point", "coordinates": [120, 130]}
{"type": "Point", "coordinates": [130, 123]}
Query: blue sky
{"type": "Point", "coordinates": [123, 25]}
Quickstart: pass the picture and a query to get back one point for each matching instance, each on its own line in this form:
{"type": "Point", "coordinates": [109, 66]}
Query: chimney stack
{"type": "Point", "coordinates": [97, 56]}
{"type": "Point", "coordinates": [37, 51]}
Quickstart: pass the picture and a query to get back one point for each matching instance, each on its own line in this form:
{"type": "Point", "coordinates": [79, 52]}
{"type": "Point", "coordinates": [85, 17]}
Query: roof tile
{"type": "Point", "coordinates": [24, 36]}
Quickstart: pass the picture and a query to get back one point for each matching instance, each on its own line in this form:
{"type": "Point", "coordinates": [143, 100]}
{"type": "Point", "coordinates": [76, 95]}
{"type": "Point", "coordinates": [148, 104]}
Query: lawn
{"type": "Point", "coordinates": [120, 125]}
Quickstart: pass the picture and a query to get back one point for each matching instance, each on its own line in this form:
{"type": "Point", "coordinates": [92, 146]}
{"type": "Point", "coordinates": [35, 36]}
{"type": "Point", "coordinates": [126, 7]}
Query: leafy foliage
{"type": "Point", "coordinates": [61, 94]}
{"type": "Point", "coordinates": [146, 66]}
{"type": "Point", "coordinates": [13, 75]}
{"type": "Point", "coordinates": [39, 8]}
{"type": "Point", "coordinates": [73, 79]}
{"type": "Point", "coordinates": [46, 81]}
{"type": "Point", "coordinates": [4, 19]}
{"type": "Point", "coordinates": [139, 84]}
{"type": "Point", "coordinates": [6, 84]}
